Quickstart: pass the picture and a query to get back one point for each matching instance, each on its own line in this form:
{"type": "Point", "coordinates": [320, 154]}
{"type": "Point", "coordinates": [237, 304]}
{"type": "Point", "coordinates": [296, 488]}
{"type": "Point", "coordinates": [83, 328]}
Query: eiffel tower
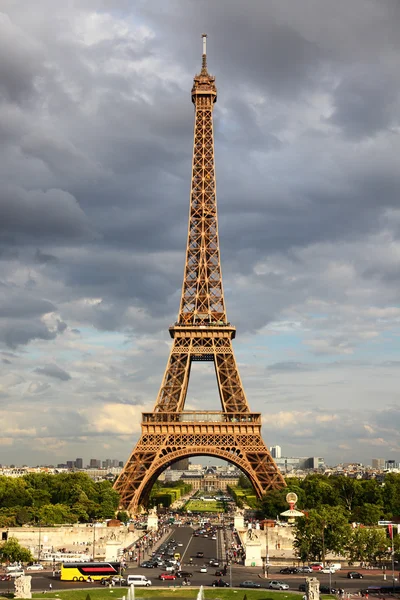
{"type": "Point", "coordinates": [201, 333]}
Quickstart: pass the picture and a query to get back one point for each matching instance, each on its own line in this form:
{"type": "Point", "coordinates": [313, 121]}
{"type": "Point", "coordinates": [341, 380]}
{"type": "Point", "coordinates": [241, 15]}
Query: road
{"type": "Point", "coordinates": [212, 549]}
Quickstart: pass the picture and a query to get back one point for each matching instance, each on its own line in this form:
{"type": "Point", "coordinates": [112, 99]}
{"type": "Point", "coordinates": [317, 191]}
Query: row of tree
{"type": "Point", "coordinates": [364, 501]}
{"type": "Point", "coordinates": [55, 499]}
{"type": "Point", "coordinates": [328, 530]}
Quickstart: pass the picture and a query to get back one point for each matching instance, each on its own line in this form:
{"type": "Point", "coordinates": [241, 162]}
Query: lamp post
{"type": "Point", "coordinates": [94, 540]}
{"type": "Point", "coordinates": [39, 549]}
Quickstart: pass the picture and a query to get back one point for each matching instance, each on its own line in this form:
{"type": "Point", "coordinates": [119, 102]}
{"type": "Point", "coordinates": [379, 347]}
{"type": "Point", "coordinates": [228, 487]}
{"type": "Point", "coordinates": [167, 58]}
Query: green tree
{"type": "Point", "coordinates": [123, 516]}
{"type": "Point", "coordinates": [244, 482]}
{"type": "Point", "coordinates": [368, 514]}
{"type": "Point", "coordinates": [12, 551]}
{"type": "Point", "coordinates": [273, 503]}
{"type": "Point", "coordinates": [321, 531]}
{"type": "Point", "coordinates": [367, 544]}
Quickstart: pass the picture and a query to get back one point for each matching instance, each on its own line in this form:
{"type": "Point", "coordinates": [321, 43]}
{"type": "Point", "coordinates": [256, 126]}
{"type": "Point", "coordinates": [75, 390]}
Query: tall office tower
{"type": "Point", "coordinates": [276, 451]}
{"type": "Point", "coordinates": [79, 463]}
{"type": "Point", "coordinates": [378, 463]}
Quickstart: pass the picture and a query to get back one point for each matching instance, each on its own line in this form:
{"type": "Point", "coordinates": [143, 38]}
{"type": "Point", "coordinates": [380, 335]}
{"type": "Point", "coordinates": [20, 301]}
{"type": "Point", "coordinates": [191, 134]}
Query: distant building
{"type": "Point", "coordinates": [70, 464]}
{"type": "Point", "coordinates": [391, 465]}
{"type": "Point", "coordinates": [378, 463]}
{"type": "Point", "coordinates": [79, 463]}
{"type": "Point", "coordinates": [276, 451]}
{"type": "Point", "coordinates": [210, 480]}
{"type": "Point", "coordinates": [95, 463]}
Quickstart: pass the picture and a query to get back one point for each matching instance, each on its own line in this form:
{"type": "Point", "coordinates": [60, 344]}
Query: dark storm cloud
{"type": "Point", "coordinates": [365, 103]}
{"type": "Point", "coordinates": [37, 215]}
{"type": "Point", "coordinates": [16, 306]}
{"type": "Point", "coordinates": [54, 371]}
{"type": "Point", "coordinates": [17, 333]}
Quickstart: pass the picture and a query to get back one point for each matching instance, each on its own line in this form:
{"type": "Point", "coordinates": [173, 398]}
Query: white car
{"type": "Point", "coordinates": [35, 567]}
{"type": "Point", "coordinates": [328, 570]}
{"type": "Point", "coordinates": [278, 585]}
{"type": "Point", "coordinates": [180, 544]}
{"type": "Point", "coordinates": [203, 569]}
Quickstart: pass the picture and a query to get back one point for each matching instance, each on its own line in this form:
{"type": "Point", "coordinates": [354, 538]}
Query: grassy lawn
{"type": "Point", "coordinates": [201, 506]}
{"type": "Point", "coordinates": [177, 593]}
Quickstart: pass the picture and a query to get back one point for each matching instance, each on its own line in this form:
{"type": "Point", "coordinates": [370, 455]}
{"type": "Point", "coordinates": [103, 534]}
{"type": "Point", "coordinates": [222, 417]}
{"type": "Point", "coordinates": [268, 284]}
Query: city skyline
{"type": "Point", "coordinates": [95, 175]}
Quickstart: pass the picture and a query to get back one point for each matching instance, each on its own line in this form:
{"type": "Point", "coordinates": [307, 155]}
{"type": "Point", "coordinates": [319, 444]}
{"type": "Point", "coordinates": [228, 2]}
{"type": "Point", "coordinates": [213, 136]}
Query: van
{"type": "Point", "coordinates": [335, 566]}
{"type": "Point", "coordinates": [138, 580]}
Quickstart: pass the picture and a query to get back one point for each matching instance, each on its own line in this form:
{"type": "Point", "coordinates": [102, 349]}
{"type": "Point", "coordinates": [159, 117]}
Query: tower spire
{"type": "Point", "coordinates": [204, 57]}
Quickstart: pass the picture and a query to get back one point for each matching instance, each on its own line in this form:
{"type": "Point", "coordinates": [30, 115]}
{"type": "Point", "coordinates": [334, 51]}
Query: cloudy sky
{"type": "Point", "coordinates": [96, 128]}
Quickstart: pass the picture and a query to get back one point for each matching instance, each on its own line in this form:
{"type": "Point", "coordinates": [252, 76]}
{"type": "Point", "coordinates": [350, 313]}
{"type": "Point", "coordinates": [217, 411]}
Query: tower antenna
{"type": "Point", "coordinates": [204, 57]}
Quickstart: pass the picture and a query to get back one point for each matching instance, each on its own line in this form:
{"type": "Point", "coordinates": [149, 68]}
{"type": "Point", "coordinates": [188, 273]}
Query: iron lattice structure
{"type": "Point", "coordinates": [202, 333]}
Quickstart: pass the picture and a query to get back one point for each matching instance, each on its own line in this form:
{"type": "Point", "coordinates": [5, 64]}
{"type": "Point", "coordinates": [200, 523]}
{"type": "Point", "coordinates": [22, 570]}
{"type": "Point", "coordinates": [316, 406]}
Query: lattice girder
{"type": "Point", "coordinates": [202, 333]}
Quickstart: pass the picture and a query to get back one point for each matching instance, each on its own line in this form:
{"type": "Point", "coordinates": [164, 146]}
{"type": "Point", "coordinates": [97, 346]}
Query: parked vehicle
{"type": "Point", "coordinates": [278, 585]}
{"type": "Point", "coordinates": [289, 570]}
{"type": "Point", "coordinates": [305, 569]}
{"type": "Point", "coordinates": [250, 584]}
{"type": "Point", "coordinates": [354, 575]}
{"type": "Point", "coordinates": [181, 574]}
{"type": "Point", "coordinates": [328, 570]}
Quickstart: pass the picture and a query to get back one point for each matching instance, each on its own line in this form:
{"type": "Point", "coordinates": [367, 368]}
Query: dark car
{"type": "Point", "coordinates": [220, 573]}
{"type": "Point", "coordinates": [200, 555]}
{"type": "Point", "coordinates": [325, 589]}
{"type": "Point", "coordinates": [147, 564]}
{"type": "Point", "coordinates": [220, 583]}
{"type": "Point", "coordinates": [249, 584]}
{"type": "Point", "coordinates": [288, 571]}
{"type": "Point", "coordinates": [183, 574]}
{"type": "Point", "coordinates": [354, 575]}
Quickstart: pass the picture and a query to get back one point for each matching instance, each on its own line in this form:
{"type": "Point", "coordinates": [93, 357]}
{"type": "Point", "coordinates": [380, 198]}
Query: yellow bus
{"type": "Point", "coordinates": [80, 571]}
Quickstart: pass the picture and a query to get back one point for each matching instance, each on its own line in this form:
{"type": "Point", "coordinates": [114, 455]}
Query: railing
{"type": "Point", "coordinates": [201, 417]}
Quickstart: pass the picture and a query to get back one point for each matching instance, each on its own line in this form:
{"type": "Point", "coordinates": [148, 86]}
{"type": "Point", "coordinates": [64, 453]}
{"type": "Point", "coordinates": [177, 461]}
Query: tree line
{"type": "Point", "coordinates": [55, 499]}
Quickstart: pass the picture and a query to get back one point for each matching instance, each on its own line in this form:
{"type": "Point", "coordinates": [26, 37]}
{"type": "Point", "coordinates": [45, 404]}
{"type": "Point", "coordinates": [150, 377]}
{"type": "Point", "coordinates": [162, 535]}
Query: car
{"type": "Point", "coordinates": [288, 571]}
{"type": "Point", "coordinates": [249, 584]}
{"type": "Point", "coordinates": [4, 577]}
{"type": "Point", "coordinates": [214, 537]}
{"type": "Point", "coordinates": [147, 564]}
{"type": "Point", "coordinates": [35, 567]}
{"type": "Point", "coordinates": [214, 562]}
{"type": "Point", "coordinates": [354, 575]}
{"type": "Point", "coordinates": [179, 544]}
{"type": "Point", "coordinates": [328, 570]}
{"type": "Point", "coordinates": [115, 580]}
{"type": "Point", "coordinates": [316, 567]}
{"type": "Point", "coordinates": [220, 583]}
{"type": "Point", "coordinates": [165, 576]}
{"type": "Point", "coordinates": [305, 569]}
{"type": "Point", "coordinates": [186, 574]}
{"type": "Point", "coordinates": [169, 568]}
{"type": "Point", "coordinates": [325, 589]}
{"type": "Point", "coordinates": [203, 569]}
{"type": "Point", "coordinates": [278, 585]}
{"type": "Point", "coordinates": [200, 555]}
